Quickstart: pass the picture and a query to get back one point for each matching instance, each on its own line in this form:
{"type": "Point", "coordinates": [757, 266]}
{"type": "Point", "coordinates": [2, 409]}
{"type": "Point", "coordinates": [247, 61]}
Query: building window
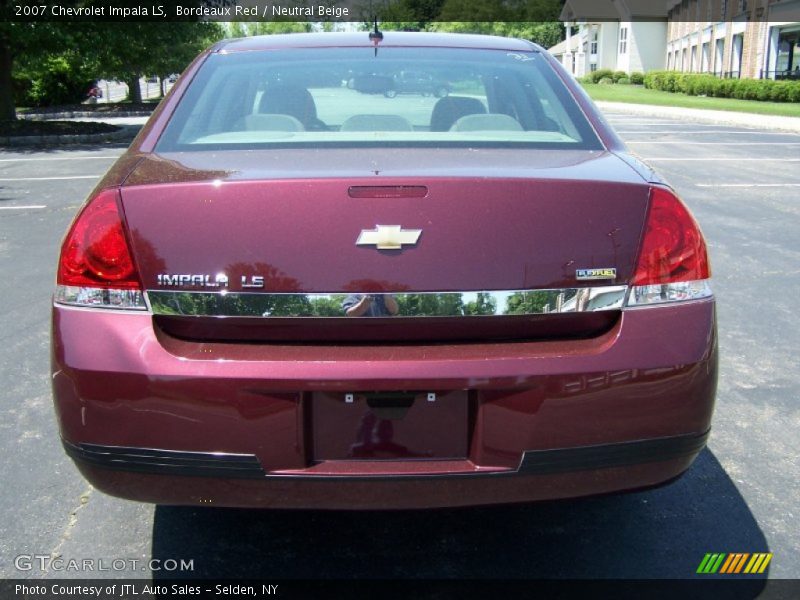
{"type": "Point", "coordinates": [623, 40]}
{"type": "Point", "coordinates": [592, 67]}
{"type": "Point", "coordinates": [593, 44]}
{"type": "Point", "coordinates": [742, 6]}
{"type": "Point", "coordinates": [787, 63]}
{"type": "Point", "coordinates": [718, 54]}
{"type": "Point", "coordinates": [723, 10]}
{"type": "Point", "coordinates": [736, 55]}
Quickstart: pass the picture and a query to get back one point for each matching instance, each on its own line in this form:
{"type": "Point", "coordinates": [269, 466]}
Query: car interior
{"type": "Point", "coordinates": [337, 101]}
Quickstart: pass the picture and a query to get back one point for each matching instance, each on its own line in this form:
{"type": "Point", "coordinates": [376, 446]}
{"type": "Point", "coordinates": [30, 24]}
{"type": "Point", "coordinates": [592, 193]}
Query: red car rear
{"type": "Point", "coordinates": [293, 291]}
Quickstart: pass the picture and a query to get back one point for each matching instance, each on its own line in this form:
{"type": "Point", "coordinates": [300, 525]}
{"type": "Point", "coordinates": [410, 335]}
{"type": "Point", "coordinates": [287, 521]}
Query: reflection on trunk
{"type": "Point", "coordinates": [431, 304]}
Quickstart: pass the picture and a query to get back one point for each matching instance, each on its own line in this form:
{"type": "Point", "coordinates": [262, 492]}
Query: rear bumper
{"type": "Point", "coordinates": [153, 418]}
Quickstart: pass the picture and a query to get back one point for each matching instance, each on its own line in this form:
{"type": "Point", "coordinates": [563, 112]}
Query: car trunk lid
{"type": "Point", "coordinates": [504, 227]}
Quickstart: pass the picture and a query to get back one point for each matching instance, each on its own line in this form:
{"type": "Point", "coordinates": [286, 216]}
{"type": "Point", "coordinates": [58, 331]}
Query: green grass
{"type": "Point", "coordinates": [636, 94]}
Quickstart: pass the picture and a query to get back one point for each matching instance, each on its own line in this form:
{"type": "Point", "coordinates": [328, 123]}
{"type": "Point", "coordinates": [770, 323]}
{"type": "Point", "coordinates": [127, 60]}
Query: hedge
{"type": "Point", "coordinates": [695, 84]}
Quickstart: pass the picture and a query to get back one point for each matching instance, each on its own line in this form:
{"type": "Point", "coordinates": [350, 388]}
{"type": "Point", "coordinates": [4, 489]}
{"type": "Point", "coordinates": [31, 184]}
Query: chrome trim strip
{"type": "Point", "coordinates": [418, 304]}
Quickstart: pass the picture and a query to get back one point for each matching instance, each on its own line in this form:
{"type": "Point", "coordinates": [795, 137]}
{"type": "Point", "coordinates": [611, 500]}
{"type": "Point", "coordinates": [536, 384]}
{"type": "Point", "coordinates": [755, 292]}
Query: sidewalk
{"type": "Point", "coordinates": [719, 117]}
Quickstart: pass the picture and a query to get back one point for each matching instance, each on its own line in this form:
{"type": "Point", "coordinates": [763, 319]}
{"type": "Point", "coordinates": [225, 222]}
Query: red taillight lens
{"type": "Point", "coordinates": [95, 252]}
{"type": "Point", "coordinates": [673, 248]}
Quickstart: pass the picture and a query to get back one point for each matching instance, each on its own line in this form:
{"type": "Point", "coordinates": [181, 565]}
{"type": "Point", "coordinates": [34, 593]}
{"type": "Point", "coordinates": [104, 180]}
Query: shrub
{"type": "Point", "coordinates": [623, 81]}
{"type": "Point", "coordinates": [637, 78]}
{"type": "Point", "coordinates": [724, 88]}
{"type": "Point", "coordinates": [673, 81]}
{"type": "Point", "coordinates": [780, 92]}
{"type": "Point", "coordinates": [618, 75]}
{"type": "Point", "coordinates": [601, 74]}
{"type": "Point", "coordinates": [699, 85]}
{"type": "Point", "coordinates": [51, 81]}
{"type": "Point", "coordinates": [704, 84]}
{"type": "Point", "coordinates": [606, 81]}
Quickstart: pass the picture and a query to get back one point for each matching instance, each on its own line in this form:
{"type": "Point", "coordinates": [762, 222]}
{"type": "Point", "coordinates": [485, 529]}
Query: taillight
{"type": "Point", "coordinates": [96, 267]}
{"type": "Point", "coordinates": [673, 261]}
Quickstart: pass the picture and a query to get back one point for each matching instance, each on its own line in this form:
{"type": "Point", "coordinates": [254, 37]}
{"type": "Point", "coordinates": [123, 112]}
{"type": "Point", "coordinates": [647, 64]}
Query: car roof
{"type": "Point", "coordinates": [361, 38]}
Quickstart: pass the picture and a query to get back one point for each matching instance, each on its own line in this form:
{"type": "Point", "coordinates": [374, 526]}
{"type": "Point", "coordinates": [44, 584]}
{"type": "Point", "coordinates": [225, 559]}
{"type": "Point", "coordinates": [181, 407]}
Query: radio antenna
{"type": "Point", "coordinates": [375, 36]}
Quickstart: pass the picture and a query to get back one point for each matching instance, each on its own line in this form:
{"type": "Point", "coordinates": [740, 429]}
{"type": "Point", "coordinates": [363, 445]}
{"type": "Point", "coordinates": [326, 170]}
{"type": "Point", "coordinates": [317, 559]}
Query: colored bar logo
{"type": "Point", "coordinates": [734, 563]}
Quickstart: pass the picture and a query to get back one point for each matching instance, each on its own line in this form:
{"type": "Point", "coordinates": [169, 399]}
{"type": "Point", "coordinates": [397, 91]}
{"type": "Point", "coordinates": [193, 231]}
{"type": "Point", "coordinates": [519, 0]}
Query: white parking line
{"type": "Point", "coordinates": [716, 143]}
{"type": "Point", "coordinates": [739, 159]}
{"type": "Point", "coordinates": [22, 207]}
{"type": "Point", "coordinates": [716, 132]}
{"type": "Point", "coordinates": [746, 185]}
{"type": "Point", "coordinates": [51, 178]}
{"type": "Point", "coordinates": [59, 158]}
{"type": "Point", "coordinates": [662, 123]}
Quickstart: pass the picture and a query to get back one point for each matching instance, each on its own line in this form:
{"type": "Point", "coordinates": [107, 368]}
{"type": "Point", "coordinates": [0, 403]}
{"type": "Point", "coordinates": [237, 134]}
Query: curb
{"type": "Point", "coordinates": [125, 134]}
{"type": "Point", "coordinates": [82, 114]}
{"type": "Point", "coordinates": [719, 117]}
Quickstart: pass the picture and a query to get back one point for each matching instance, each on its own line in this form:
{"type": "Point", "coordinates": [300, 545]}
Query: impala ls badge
{"type": "Point", "coordinates": [388, 237]}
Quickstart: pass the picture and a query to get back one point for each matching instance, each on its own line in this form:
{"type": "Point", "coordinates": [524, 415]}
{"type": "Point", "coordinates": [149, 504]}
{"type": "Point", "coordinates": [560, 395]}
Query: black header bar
{"type": "Point", "coordinates": [410, 13]}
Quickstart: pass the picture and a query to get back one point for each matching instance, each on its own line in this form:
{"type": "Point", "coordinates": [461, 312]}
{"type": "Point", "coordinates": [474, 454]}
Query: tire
{"type": "Point", "coordinates": [390, 93]}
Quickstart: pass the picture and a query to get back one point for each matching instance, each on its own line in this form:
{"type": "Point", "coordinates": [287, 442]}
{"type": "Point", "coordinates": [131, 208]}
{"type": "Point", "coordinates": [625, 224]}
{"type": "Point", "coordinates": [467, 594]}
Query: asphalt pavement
{"type": "Point", "coordinates": [741, 495]}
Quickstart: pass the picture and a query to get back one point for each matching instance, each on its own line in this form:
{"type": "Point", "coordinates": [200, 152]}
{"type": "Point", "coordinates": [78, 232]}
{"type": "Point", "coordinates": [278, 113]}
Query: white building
{"type": "Point", "coordinates": [612, 34]}
{"type": "Point", "coordinates": [734, 38]}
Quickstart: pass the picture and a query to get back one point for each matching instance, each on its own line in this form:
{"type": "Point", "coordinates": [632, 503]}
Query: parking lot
{"type": "Point", "coordinates": [740, 496]}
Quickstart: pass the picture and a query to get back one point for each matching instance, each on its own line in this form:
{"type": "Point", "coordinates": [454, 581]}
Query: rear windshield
{"type": "Point", "coordinates": [319, 97]}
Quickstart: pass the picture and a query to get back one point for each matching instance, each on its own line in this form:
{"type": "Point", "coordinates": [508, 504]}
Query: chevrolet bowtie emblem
{"type": "Point", "coordinates": [388, 237]}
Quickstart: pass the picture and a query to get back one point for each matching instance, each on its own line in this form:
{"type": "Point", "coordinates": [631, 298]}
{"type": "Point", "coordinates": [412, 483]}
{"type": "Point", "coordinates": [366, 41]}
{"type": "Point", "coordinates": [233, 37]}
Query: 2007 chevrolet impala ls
{"type": "Point", "coordinates": [299, 288]}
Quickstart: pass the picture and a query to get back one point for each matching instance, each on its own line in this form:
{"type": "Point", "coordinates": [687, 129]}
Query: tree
{"type": "Point", "coordinates": [7, 108]}
{"type": "Point", "coordinates": [546, 34]}
{"type": "Point", "coordinates": [403, 14]}
{"type": "Point", "coordinates": [32, 46]}
{"type": "Point", "coordinates": [520, 303]}
{"type": "Point", "coordinates": [127, 51]}
{"type": "Point", "coordinates": [495, 11]}
{"type": "Point", "coordinates": [237, 29]}
{"type": "Point", "coordinates": [484, 304]}
{"type": "Point", "coordinates": [56, 60]}
{"type": "Point", "coordinates": [275, 27]}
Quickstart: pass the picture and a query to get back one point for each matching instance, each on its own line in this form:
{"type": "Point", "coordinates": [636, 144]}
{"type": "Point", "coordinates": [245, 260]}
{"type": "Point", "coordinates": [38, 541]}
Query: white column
{"type": "Point", "coordinates": [568, 61]}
